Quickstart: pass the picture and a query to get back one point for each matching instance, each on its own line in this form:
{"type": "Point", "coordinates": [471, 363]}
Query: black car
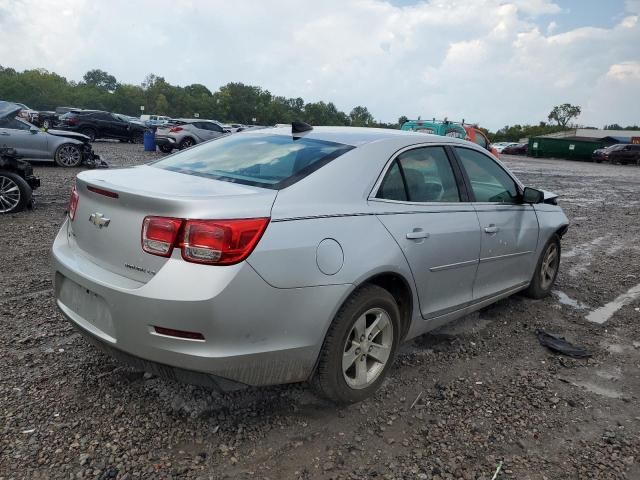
{"type": "Point", "coordinates": [17, 182]}
{"type": "Point", "coordinates": [519, 149]}
{"type": "Point", "coordinates": [99, 124]}
{"type": "Point", "coordinates": [620, 153]}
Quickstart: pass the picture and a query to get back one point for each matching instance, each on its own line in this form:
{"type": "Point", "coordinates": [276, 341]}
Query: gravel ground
{"type": "Point", "coordinates": [458, 401]}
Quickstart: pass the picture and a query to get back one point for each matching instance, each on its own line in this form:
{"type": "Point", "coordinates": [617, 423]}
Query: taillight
{"type": "Point", "coordinates": [159, 235]}
{"type": "Point", "coordinates": [74, 198]}
{"type": "Point", "coordinates": [175, 129]}
{"type": "Point", "coordinates": [221, 242]}
{"type": "Point", "coordinates": [211, 242]}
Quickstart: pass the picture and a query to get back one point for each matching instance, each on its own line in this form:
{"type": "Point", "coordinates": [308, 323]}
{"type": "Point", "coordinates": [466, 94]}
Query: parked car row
{"type": "Point", "coordinates": [65, 148]}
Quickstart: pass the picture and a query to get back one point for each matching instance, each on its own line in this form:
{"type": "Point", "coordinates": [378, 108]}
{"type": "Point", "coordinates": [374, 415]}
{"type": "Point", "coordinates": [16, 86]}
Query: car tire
{"type": "Point", "coordinates": [165, 148]}
{"type": "Point", "coordinates": [137, 138]}
{"type": "Point", "coordinates": [46, 124]}
{"type": "Point", "coordinates": [186, 142]}
{"type": "Point", "coordinates": [346, 362]}
{"type": "Point", "coordinates": [547, 269]}
{"type": "Point", "coordinates": [68, 155]}
{"type": "Point", "coordinates": [15, 193]}
{"type": "Point", "coordinates": [89, 132]}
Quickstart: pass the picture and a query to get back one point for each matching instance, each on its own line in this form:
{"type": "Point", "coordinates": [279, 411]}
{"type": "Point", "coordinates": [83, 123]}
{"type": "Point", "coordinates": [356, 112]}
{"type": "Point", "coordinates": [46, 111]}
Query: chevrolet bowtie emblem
{"type": "Point", "coordinates": [99, 220]}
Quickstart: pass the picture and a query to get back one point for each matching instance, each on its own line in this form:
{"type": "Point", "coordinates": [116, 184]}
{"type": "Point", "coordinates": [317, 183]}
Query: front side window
{"type": "Point", "coordinates": [14, 124]}
{"type": "Point", "coordinates": [262, 160]}
{"type": "Point", "coordinates": [489, 182]}
{"type": "Point", "coordinates": [424, 173]}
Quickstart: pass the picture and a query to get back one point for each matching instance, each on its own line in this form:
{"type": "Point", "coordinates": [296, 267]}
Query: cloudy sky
{"type": "Point", "coordinates": [495, 62]}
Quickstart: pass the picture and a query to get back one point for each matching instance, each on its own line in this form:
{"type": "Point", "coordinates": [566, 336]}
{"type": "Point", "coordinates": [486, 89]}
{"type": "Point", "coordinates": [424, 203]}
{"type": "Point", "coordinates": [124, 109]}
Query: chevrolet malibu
{"type": "Point", "coordinates": [292, 254]}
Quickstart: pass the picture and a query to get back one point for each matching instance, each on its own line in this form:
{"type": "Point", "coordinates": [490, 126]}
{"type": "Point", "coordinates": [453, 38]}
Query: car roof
{"type": "Point", "coordinates": [8, 109]}
{"type": "Point", "coordinates": [358, 136]}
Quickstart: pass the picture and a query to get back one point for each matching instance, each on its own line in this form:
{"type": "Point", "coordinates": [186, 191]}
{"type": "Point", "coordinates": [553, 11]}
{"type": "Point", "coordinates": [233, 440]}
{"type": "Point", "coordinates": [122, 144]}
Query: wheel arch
{"type": "Point", "coordinates": [400, 289]}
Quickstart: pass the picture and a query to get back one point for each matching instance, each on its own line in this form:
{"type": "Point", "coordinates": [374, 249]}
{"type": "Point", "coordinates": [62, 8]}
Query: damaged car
{"type": "Point", "coordinates": [17, 182]}
{"type": "Point", "coordinates": [284, 255]}
{"type": "Point", "coordinates": [66, 149]}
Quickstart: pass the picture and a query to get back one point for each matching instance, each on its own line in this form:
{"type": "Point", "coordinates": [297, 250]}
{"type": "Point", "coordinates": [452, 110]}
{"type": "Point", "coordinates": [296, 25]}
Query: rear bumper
{"type": "Point", "coordinates": [160, 141]}
{"type": "Point", "coordinates": [254, 334]}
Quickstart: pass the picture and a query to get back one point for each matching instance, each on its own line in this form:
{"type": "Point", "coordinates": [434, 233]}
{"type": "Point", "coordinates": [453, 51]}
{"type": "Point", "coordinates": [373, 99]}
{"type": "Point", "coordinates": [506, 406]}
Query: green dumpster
{"type": "Point", "coordinates": [571, 148]}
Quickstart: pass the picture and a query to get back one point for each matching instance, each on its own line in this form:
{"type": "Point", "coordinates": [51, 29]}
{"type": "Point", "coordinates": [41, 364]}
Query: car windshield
{"type": "Point", "coordinates": [268, 161]}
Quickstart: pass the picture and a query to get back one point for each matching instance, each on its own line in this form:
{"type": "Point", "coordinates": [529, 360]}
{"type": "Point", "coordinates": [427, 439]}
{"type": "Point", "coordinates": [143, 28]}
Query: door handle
{"type": "Point", "coordinates": [417, 234]}
{"type": "Point", "coordinates": [491, 229]}
{"type": "Point", "coordinates": [5, 134]}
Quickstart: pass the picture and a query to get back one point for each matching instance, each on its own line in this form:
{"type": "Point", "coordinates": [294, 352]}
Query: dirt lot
{"type": "Point", "coordinates": [458, 401]}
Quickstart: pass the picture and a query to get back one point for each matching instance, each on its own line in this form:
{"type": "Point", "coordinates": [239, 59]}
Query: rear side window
{"type": "Point", "coordinates": [268, 161]}
{"type": "Point", "coordinates": [420, 175]}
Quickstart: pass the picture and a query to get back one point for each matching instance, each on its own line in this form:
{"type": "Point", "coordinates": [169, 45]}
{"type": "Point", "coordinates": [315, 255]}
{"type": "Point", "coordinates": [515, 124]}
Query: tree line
{"type": "Point", "coordinates": [233, 102]}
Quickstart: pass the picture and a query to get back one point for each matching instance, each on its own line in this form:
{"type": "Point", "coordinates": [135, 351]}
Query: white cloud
{"type": "Point", "coordinates": [486, 61]}
{"type": "Point", "coordinates": [628, 71]}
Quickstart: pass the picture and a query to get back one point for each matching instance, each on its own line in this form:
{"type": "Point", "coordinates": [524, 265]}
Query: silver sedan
{"type": "Point", "coordinates": [285, 255]}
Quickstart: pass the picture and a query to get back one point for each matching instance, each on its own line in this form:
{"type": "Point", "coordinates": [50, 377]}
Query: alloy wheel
{"type": "Point", "coordinates": [69, 156]}
{"type": "Point", "coordinates": [9, 194]}
{"type": "Point", "coordinates": [549, 267]}
{"type": "Point", "coordinates": [367, 348]}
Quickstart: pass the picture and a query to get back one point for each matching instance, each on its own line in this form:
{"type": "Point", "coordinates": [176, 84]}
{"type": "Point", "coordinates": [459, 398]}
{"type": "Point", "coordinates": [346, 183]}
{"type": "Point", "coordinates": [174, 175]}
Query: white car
{"type": "Point", "coordinates": [27, 113]}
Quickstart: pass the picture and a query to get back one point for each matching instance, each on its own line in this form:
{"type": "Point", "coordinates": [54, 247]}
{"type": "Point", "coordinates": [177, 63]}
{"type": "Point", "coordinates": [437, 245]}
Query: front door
{"type": "Point", "coordinates": [435, 227]}
{"type": "Point", "coordinates": [16, 134]}
{"type": "Point", "coordinates": [508, 228]}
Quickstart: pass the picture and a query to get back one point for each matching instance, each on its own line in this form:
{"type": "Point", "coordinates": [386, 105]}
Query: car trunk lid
{"type": "Point", "coordinates": [113, 204]}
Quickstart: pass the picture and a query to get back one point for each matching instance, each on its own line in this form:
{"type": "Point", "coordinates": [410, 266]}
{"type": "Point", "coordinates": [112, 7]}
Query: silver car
{"type": "Point", "coordinates": [276, 256]}
{"type": "Point", "coordinates": [186, 133]}
{"type": "Point", "coordinates": [67, 149]}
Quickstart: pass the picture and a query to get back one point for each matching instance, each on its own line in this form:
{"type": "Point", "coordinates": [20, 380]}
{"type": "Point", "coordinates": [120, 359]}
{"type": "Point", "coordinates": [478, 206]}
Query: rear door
{"type": "Point", "coordinates": [213, 130]}
{"type": "Point", "coordinates": [508, 228]}
{"type": "Point", "coordinates": [423, 206]}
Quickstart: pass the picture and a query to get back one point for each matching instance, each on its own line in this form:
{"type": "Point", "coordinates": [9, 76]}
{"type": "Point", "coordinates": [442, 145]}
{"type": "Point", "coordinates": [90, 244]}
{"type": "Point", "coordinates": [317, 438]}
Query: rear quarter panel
{"type": "Point", "coordinates": [287, 255]}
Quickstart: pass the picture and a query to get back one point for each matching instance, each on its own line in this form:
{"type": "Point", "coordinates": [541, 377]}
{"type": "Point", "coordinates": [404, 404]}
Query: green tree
{"type": "Point", "coordinates": [162, 106]}
{"type": "Point", "coordinates": [402, 120]}
{"type": "Point", "coordinates": [360, 117]}
{"type": "Point", "coordinates": [100, 79]}
{"type": "Point", "coordinates": [562, 114]}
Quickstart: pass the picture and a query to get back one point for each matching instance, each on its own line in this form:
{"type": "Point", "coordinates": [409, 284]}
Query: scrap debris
{"type": "Point", "coordinates": [559, 344]}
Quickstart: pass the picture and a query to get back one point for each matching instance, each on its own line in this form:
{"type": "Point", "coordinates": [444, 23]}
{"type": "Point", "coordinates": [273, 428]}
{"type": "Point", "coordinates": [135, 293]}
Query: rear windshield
{"type": "Point", "coordinates": [268, 161]}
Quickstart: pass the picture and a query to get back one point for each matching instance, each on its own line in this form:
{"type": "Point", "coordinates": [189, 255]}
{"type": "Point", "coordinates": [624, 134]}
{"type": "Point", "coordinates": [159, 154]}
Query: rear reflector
{"type": "Point", "coordinates": [73, 202]}
{"type": "Point", "coordinates": [101, 191]}
{"type": "Point", "coordinates": [159, 235]}
{"type": "Point", "coordinates": [170, 332]}
{"type": "Point", "coordinates": [211, 242]}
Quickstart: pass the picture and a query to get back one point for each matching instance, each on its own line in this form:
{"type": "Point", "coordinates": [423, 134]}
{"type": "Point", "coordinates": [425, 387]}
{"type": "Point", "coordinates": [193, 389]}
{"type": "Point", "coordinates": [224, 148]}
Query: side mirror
{"type": "Point", "coordinates": [34, 130]}
{"type": "Point", "coordinates": [531, 195]}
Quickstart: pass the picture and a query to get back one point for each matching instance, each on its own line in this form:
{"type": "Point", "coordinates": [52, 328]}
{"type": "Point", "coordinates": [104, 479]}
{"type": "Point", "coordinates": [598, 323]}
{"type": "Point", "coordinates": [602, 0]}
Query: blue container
{"type": "Point", "coordinates": [149, 141]}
